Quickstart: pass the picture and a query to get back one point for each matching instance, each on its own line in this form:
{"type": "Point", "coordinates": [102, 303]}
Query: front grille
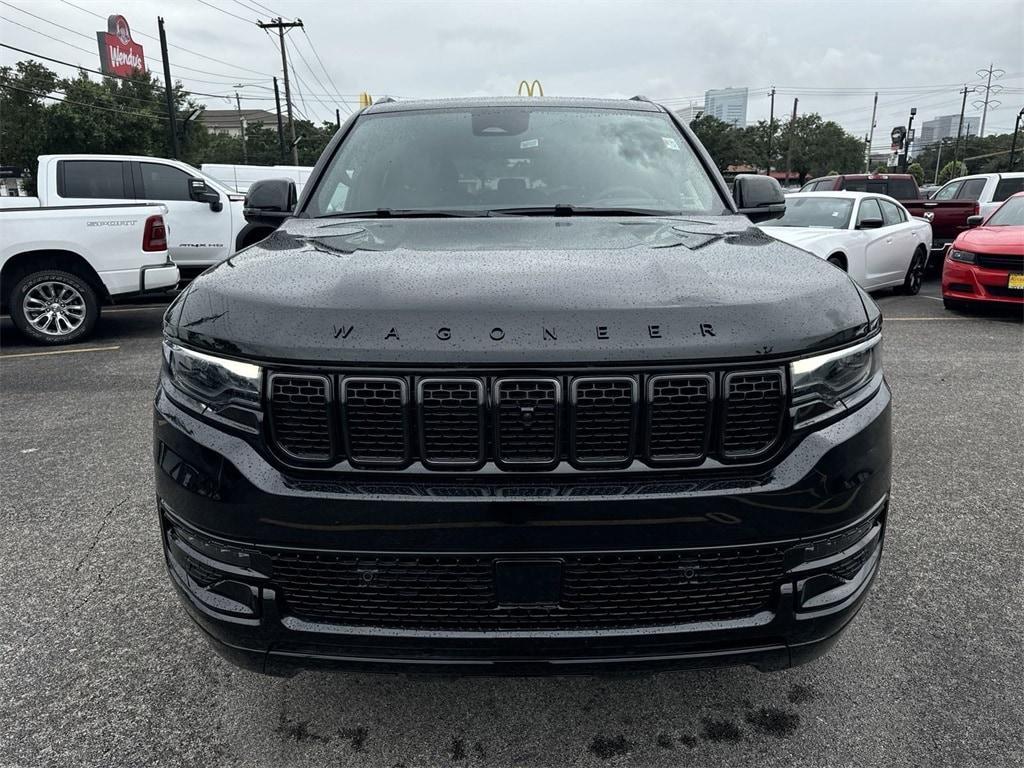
{"type": "Point", "coordinates": [1002, 290]}
{"type": "Point", "coordinates": [603, 412]}
{"type": "Point", "coordinates": [597, 422]}
{"type": "Point", "coordinates": [458, 592]}
{"type": "Point", "coordinates": [451, 421]}
{"type": "Point", "coordinates": [375, 420]}
{"type": "Point", "coordinates": [1000, 261]}
{"type": "Point", "coordinates": [527, 420]}
{"type": "Point", "coordinates": [754, 407]}
{"type": "Point", "coordinates": [301, 415]}
{"type": "Point", "coordinates": [678, 417]}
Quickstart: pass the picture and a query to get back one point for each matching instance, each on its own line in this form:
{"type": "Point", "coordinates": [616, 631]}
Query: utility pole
{"type": "Point", "coordinates": [337, 117]}
{"type": "Point", "coordinates": [1013, 144]}
{"type": "Point", "coordinates": [960, 127]}
{"type": "Point", "coordinates": [168, 91]}
{"type": "Point", "coordinates": [938, 156]}
{"type": "Point", "coordinates": [280, 25]}
{"type": "Point", "coordinates": [280, 123]}
{"type": "Point", "coordinates": [789, 148]}
{"type": "Point", "coordinates": [241, 125]}
{"type": "Point", "coordinates": [988, 94]}
{"type": "Point", "coordinates": [771, 130]}
{"type": "Point", "coordinates": [871, 135]}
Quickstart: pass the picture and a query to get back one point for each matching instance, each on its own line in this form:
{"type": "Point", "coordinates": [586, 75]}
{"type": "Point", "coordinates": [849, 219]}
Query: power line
{"type": "Point", "coordinates": [98, 72]}
{"type": "Point", "coordinates": [172, 45]}
{"type": "Point", "coordinates": [315, 79]}
{"type": "Point", "coordinates": [44, 95]}
{"type": "Point", "coordinates": [226, 13]}
{"type": "Point", "coordinates": [326, 73]}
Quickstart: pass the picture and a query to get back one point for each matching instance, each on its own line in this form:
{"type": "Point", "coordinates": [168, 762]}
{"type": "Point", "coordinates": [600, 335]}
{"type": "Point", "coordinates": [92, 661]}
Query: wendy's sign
{"type": "Point", "coordinates": [119, 54]}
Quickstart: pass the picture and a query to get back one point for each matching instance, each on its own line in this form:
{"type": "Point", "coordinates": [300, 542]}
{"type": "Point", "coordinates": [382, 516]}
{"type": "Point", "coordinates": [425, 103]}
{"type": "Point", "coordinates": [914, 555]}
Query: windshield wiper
{"type": "Point", "coordinates": [402, 213]}
{"type": "Point", "coordinates": [563, 209]}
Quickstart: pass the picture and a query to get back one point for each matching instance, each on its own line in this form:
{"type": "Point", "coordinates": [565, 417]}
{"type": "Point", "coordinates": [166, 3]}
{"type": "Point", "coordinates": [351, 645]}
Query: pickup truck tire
{"type": "Point", "coordinates": [915, 274]}
{"type": "Point", "coordinates": [53, 306]}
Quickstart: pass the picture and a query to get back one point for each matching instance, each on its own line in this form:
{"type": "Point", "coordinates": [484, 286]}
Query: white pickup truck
{"type": "Point", "coordinates": [204, 217]}
{"type": "Point", "coordinates": [58, 265]}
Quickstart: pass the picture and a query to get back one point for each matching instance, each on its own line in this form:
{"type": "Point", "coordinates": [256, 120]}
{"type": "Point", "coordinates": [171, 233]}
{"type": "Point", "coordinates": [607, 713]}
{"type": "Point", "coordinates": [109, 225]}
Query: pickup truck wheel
{"type": "Point", "coordinates": [54, 307]}
{"type": "Point", "coordinates": [915, 273]}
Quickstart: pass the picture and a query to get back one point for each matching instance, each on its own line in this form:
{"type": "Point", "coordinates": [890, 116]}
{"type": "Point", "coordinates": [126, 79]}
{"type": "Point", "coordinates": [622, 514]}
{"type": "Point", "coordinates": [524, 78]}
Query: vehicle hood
{"type": "Point", "coordinates": [518, 290]}
{"type": "Point", "coordinates": [809, 238]}
{"type": "Point", "coordinates": [992, 240]}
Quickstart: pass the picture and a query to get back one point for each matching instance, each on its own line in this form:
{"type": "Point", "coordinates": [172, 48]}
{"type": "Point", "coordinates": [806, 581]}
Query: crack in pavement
{"type": "Point", "coordinates": [99, 532]}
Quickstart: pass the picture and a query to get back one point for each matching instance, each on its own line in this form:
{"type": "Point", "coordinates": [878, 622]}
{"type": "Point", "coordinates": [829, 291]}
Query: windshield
{"type": "Point", "coordinates": [832, 212]}
{"type": "Point", "coordinates": [1009, 214]}
{"type": "Point", "coordinates": [488, 159]}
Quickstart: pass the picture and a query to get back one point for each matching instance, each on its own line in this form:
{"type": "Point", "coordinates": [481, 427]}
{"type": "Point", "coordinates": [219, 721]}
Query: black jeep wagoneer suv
{"type": "Point", "coordinates": [515, 387]}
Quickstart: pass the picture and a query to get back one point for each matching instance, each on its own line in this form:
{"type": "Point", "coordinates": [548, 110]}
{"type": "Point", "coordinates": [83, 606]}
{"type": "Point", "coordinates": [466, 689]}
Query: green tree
{"type": "Point", "coordinates": [719, 138]}
{"type": "Point", "coordinates": [817, 147]}
{"type": "Point", "coordinates": [915, 170]}
{"type": "Point", "coordinates": [952, 170]}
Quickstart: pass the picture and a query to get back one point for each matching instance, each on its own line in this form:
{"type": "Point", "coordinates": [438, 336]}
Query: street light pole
{"type": "Point", "coordinates": [906, 141]}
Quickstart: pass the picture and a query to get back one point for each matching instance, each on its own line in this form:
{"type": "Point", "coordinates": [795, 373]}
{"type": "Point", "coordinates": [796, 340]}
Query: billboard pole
{"type": "Point", "coordinates": [171, 123]}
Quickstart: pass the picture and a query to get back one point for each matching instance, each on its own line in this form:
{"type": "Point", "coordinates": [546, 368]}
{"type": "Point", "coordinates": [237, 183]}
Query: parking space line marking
{"type": "Point", "coordinates": [62, 351]}
{"type": "Point", "coordinates": [890, 319]}
{"type": "Point", "coordinates": [933, 298]}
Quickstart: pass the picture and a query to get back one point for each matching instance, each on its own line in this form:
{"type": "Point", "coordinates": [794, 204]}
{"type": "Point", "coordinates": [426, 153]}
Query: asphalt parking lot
{"type": "Point", "coordinates": [99, 666]}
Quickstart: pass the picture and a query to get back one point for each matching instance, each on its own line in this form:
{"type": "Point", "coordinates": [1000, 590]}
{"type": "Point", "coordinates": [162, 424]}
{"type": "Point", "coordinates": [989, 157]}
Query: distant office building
{"type": "Point", "coordinates": [688, 114]}
{"type": "Point", "coordinates": [944, 127]}
{"type": "Point", "coordinates": [727, 104]}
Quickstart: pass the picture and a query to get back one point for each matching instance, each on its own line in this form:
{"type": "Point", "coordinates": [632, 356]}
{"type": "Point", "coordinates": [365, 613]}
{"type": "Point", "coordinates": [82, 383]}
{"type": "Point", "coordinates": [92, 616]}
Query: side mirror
{"type": "Point", "coordinates": [269, 202]}
{"type": "Point", "coordinates": [870, 224]}
{"type": "Point", "coordinates": [759, 198]}
{"type": "Point", "coordinates": [975, 221]}
{"type": "Point", "coordinates": [201, 193]}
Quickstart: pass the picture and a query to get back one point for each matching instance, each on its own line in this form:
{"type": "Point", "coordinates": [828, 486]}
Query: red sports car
{"type": "Point", "coordinates": [986, 263]}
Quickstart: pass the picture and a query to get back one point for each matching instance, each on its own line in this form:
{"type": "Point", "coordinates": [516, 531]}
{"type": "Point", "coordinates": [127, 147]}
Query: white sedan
{"type": "Point", "coordinates": [870, 236]}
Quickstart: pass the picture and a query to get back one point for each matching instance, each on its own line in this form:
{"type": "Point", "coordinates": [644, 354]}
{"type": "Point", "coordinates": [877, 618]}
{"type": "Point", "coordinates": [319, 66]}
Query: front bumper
{"type": "Point", "coordinates": [968, 282]}
{"type": "Point", "coordinates": [226, 512]}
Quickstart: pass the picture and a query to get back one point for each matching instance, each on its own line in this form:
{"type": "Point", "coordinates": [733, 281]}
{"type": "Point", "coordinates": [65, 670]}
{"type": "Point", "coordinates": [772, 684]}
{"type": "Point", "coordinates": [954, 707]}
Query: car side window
{"type": "Point", "coordinates": [890, 213]}
{"type": "Point", "coordinates": [949, 191]}
{"type": "Point", "coordinates": [1007, 187]}
{"type": "Point", "coordinates": [868, 210]}
{"type": "Point", "coordinates": [971, 189]}
{"type": "Point", "coordinates": [95, 179]}
{"type": "Point", "coordinates": [164, 182]}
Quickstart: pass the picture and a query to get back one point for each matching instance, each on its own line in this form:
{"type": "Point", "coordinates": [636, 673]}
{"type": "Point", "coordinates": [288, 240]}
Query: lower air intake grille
{"type": "Point", "coordinates": [301, 415]}
{"type": "Point", "coordinates": [754, 407]}
{"type": "Point", "coordinates": [457, 592]}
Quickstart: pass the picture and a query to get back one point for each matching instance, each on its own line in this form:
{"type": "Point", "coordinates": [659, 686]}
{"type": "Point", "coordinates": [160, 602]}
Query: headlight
{"type": "Point", "coordinates": [827, 384]}
{"type": "Point", "coordinates": [965, 256]}
{"type": "Point", "coordinates": [222, 389]}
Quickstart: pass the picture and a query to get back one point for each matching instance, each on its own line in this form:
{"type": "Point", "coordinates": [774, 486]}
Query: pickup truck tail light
{"type": "Point", "coordinates": [154, 238]}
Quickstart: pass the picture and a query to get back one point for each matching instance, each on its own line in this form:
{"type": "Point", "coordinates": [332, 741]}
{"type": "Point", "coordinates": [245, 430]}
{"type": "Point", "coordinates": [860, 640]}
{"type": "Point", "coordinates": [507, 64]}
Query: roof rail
{"type": "Point", "coordinates": [638, 97]}
{"type": "Point", "coordinates": [385, 100]}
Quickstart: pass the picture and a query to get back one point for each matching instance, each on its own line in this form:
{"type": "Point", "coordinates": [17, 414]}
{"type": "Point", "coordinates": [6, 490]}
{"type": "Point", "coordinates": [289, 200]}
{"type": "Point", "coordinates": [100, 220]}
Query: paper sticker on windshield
{"type": "Point", "coordinates": [670, 143]}
{"type": "Point", "coordinates": [529, 143]}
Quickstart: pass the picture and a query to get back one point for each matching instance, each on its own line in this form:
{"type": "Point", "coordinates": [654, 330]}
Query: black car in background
{"type": "Point", "coordinates": [516, 387]}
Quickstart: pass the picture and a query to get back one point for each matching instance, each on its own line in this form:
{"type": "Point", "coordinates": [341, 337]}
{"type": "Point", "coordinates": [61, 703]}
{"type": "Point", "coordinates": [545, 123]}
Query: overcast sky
{"type": "Point", "coordinates": [916, 53]}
